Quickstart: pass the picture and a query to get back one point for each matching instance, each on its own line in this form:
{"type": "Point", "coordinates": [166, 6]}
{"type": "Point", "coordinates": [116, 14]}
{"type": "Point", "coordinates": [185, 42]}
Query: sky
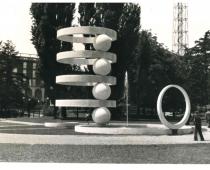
{"type": "Point", "coordinates": [156, 15]}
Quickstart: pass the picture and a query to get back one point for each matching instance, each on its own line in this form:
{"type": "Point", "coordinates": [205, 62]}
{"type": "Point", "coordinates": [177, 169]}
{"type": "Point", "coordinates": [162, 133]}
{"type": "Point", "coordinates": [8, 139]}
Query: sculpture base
{"type": "Point", "coordinates": [143, 129]}
{"type": "Point", "coordinates": [60, 124]}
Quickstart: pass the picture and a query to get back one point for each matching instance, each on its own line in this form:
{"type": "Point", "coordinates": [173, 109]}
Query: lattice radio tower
{"type": "Point", "coordinates": [180, 28]}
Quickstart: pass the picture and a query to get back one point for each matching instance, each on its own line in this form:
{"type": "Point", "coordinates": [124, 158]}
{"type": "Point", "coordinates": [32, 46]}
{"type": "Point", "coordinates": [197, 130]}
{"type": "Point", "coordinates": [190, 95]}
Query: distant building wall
{"type": "Point", "coordinates": [29, 65]}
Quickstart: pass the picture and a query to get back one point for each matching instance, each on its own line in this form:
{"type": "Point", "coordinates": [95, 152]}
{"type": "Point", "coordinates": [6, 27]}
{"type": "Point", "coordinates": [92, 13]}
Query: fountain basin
{"type": "Point", "coordinates": [60, 124]}
{"type": "Point", "coordinates": [134, 129]}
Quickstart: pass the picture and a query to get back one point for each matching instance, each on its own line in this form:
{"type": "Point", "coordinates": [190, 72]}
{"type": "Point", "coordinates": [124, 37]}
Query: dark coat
{"type": "Point", "coordinates": [197, 121]}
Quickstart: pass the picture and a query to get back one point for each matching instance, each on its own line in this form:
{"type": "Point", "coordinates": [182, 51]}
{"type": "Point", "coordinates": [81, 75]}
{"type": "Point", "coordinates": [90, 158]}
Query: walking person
{"type": "Point", "coordinates": [198, 127]}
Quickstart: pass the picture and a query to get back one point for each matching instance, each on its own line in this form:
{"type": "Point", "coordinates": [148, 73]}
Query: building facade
{"type": "Point", "coordinates": [29, 65]}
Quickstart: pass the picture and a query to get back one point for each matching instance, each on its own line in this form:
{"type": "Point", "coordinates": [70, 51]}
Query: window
{"type": "Point", "coordinates": [33, 82]}
{"type": "Point", "coordinates": [34, 65]}
{"type": "Point", "coordinates": [25, 65]}
{"type": "Point", "coordinates": [30, 82]}
{"type": "Point", "coordinates": [14, 70]}
{"type": "Point", "coordinates": [34, 74]}
{"type": "Point", "coordinates": [24, 72]}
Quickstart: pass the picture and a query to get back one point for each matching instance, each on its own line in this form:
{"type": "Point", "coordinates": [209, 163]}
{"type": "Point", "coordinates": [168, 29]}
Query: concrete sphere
{"type": "Point", "coordinates": [101, 91]}
{"type": "Point", "coordinates": [102, 67]}
{"type": "Point", "coordinates": [102, 42]}
{"type": "Point", "coordinates": [101, 115]}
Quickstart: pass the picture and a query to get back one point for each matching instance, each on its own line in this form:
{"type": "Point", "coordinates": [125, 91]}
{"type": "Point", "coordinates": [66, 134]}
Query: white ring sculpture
{"type": "Point", "coordinates": [160, 111]}
{"type": "Point", "coordinates": [77, 61]}
{"type": "Point", "coordinates": [66, 34]}
{"type": "Point", "coordinates": [85, 80]}
{"type": "Point", "coordinates": [85, 103]}
{"type": "Point", "coordinates": [69, 57]}
{"type": "Point", "coordinates": [100, 59]}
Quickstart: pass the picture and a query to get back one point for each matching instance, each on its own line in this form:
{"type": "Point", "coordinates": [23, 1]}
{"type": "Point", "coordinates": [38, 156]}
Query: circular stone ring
{"type": "Point", "coordinates": [160, 111]}
{"type": "Point", "coordinates": [66, 34]}
{"type": "Point", "coordinates": [71, 57]}
{"type": "Point", "coordinates": [77, 61]}
{"type": "Point", "coordinates": [85, 80]}
{"type": "Point", "coordinates": [85, 103]}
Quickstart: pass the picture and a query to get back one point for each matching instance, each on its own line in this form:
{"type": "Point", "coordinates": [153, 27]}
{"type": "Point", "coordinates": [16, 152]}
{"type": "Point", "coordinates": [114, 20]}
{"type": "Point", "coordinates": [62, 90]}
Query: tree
{"type": "Point", "coordinates": [87, 12]}
{"type": "Point", "coordinates": [8, 48]}
{"type": "Point", "coordinates": [155, 67]}
{"type": "Point", "coordinates": [129, 27]}
{"type": "Point", "coordinates": [47, 19]}
{"type": "Point", "coordinates": [12, 84]}
{"type": "Point", "coordinates": [197, 61]}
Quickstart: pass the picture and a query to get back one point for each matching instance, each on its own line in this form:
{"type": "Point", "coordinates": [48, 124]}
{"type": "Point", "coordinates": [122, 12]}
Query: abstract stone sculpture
{"type": "Point", "coordinates": [160, 112]}
{"type": "Point", "coordinates": [101, 91]}
{"type": "Point", "coordinates": [102, 67]}
{"type": "Point", "coordinates": [101, 115]}
{"type": "Point", "coordinates": [100, 59]}
{"type": "Point", "coordinates": [102, 42]}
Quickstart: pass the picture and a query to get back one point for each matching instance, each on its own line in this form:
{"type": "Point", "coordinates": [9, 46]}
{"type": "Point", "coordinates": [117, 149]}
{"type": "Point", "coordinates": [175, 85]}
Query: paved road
{"type": "Point", "coordinates": [25, 133]}
{"type": "Point", "coordinates": [174, 154]}
{"type": "Point", "coordinates": [36, 143]}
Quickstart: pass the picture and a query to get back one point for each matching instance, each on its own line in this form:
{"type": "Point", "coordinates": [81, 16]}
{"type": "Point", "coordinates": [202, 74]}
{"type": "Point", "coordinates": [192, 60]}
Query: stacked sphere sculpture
{"type": "Point", "coordinates": [102, 67]}
{"type": "Point", "coordinates": [100, 59]}
{"type": "Point", "coordinates": [101, 115]}
{"type": "Point", "coordinates": [101, 91]}
{"type": "Point", "coordinates": [102, 42]}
